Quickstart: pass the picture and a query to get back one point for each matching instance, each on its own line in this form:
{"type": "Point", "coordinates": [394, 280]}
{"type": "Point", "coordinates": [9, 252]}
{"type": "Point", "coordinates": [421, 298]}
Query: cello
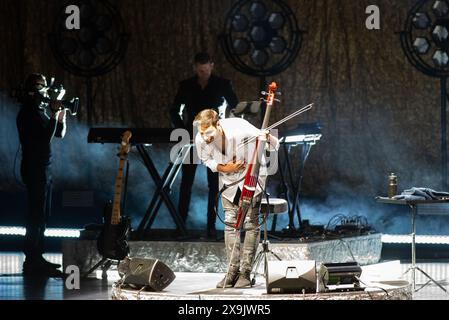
{"type": "Point", "coordinates": [252, 173]}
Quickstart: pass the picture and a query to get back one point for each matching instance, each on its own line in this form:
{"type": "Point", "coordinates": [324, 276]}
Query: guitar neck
{"type": "Point", "coordinates": [115, 218]}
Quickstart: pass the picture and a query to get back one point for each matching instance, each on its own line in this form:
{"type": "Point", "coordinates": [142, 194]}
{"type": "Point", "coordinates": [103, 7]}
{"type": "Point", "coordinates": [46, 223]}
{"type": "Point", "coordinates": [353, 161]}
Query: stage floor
{"type": "Point", "coordinates": [200, 286]}
{"type": "Point", "coordinates": [191, 285]}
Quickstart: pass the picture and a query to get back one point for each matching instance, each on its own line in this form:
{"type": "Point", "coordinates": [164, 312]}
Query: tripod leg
{"type": "Point", "coordinates": [425, 284]}
{"type": "Point", "coordinates": [275, 255]}
{"type": "Point", "coordinates": [107, 265]}
{"type": "Point", "coordinates": [94, 267]}
{"type": "Point", "coordinates": [431, 279]}
{"type": "Point", "coordinates": [257, 261]}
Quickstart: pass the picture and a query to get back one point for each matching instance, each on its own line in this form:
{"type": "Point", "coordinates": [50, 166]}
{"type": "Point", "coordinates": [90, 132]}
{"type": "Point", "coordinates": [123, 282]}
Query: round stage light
{"type": "Point", "coordinates": [278, 45]}
{"type": "Point", "coordinates": [425, 39]}
{"type": "Point", "coordinates": [98, 46]}
{"type": "Point", "coordinates": [241, 46]}
{"type": "Point", "coordinates": [276, 20]}
{"type": "Point", "coordinates": [261, 38]}
{"type": "Point", "coordinates": [240, 23]}
{"type": "Point", "coordinates": [258, 10]}
{"type": "Point", "coordinates": [440, 58]}
{"type": "Point", "coordinates": [440, 8]}
{"type": "Point", "coordinates": [259, 58]}
{"type": "Point", "coordinates": [421, 45]}
{"type": "Point", "coordinates": [94, 50]}
{"type": "Point", "coordinates": [440, 35]}
{"type": "Point", "coordinates": [421, 20]}
{"type": "Point", "coordinates": [258, 34]}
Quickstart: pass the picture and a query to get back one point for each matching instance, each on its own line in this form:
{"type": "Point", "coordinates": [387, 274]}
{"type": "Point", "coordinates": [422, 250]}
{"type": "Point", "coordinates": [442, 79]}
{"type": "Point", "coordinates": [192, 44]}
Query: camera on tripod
{"type": "Point", "coordinates": [56, 93]}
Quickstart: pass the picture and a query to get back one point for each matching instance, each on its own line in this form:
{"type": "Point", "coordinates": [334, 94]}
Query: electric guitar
{"type": "Point", "coordinates": [112, 241]}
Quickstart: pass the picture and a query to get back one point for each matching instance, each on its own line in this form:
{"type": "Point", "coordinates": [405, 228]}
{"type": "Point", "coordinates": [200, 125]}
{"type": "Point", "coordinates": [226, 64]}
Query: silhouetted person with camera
{"type": "Point", "coordinates": [202, 91]}
{"type": "Point", "coordinates": [38, 123]}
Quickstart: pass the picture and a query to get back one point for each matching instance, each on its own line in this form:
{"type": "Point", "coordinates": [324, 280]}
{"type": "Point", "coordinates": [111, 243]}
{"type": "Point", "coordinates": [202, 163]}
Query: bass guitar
{"type": "Point", "coordinates": [112, 241]}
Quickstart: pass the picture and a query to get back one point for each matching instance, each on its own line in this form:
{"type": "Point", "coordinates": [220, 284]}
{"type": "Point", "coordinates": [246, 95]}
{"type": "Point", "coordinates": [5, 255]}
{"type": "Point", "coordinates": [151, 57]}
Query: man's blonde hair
{"type": "Point", "coordinates": [206, 118]}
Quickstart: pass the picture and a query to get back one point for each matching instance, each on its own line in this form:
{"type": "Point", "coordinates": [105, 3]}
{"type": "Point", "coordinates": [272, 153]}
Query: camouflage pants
{"type": "Point", "coordinates": [241, 258]}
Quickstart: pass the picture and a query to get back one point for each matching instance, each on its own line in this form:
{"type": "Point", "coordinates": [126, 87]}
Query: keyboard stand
{"type": "Point", "coordinates": [292, 187]}
{"type": "Point", "coordinates": [163, 188]}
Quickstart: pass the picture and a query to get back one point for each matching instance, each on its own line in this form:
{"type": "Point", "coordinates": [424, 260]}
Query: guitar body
{"type": "Point", "coordinates": [112, 242]}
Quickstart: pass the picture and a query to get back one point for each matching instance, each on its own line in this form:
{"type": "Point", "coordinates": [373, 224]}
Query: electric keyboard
{"type": "Point", "coordinates": [140, 135]}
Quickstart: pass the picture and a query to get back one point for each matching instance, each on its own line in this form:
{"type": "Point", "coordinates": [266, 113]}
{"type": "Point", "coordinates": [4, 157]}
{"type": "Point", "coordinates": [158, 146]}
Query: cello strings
{"type": "Point", "coordinates": [294, 114]}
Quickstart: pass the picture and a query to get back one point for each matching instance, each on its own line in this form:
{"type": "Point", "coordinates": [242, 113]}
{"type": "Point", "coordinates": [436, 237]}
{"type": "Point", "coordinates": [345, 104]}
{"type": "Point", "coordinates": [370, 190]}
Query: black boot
{"type": "Point", "coordinates": [48, 263]}
{"type": "Point", "coordinates": [229, 280]}
{"type": "Point", "coordinates": [244, 280]}
{"type": "Point", "coordinates": [39, 269]}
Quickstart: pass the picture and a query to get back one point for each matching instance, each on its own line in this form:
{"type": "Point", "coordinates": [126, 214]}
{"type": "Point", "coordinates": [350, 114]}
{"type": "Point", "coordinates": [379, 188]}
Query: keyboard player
{"type": "Point", "coordinates": [202, 91]}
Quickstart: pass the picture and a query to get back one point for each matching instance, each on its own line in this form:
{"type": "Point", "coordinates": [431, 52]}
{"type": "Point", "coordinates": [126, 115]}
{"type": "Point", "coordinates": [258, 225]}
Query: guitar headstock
{"type": "Point", "coordinates": [125, 146]}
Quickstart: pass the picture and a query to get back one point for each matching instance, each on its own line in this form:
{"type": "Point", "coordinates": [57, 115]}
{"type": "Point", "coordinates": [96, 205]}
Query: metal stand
{"type": "Point", "coordinates": [413, 268]}
{"type": "Point", "coordinates": [164, 186]}
{"type": "Point", "coordinates": [105, 264]}
{"type": "Point", "coordinates": [263, 256]}
{"type": "Point", "coordinates": [295, 185]}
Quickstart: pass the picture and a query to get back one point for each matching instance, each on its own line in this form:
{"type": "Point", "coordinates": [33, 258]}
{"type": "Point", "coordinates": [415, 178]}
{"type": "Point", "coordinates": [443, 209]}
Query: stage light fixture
{"type": "Point", "coordinates": [259, 57]}
{"type": "Point", "coordinates": [278, 45]}
{"type": "Point", "coordinates": [241, 46]}
{"type": "Point", "coordinates": [276, 20]}
{"type": "Point", "coordinates": [440, 8]}
{"type": "Point", "coordinates": [258, 10]}
{"type": "Point", "coordinates": [258, 34]}
{"type": "Point", "coordinates": [440, 58]}
{"type": "Point", "coordinates": [97, 47]}
{"type": "Point", "coordinates": [94, 50]}
{"type": "Point", "coordinates": [421, 20]}
{"type": "Point", "coordinates": [240, 23]}
{"type": "Point", "coordinates": [440, 35]}
{"type": "Point", "coordinates": [261, 38]}
{"type": "Point", "coordinates": [421, 45]}
{"type": "Point", "coordinates": [425, 41]}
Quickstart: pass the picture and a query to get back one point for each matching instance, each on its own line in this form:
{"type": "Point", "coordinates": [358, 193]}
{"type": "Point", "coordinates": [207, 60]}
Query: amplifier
{"type": "Point", "coordinates": [336, 276]}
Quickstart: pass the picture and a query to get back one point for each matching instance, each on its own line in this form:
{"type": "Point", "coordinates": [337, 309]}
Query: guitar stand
{"type": "Point", "coordinates": [105, 264]}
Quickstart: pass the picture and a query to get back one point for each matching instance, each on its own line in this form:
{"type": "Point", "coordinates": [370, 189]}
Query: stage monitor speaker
{"type": "Point", "coordinates": [150, 273]}
{"type": "Point", "coordinates": [297, 276]}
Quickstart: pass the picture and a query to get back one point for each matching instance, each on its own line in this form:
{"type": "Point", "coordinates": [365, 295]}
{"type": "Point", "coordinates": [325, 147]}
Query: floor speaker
{"type": "Point", "coordinates": [297, 276]}
{"type": "Point", "coordinates": [141, 272]}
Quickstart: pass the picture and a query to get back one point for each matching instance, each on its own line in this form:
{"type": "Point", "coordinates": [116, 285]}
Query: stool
{"type": "Point", "coordinates": [276, 206]}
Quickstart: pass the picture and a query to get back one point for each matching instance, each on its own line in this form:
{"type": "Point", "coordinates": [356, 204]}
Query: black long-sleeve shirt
{"type": "Point", "coordinates": [36, 130]}
{"type": "Point", "coordinates": [197, 99]}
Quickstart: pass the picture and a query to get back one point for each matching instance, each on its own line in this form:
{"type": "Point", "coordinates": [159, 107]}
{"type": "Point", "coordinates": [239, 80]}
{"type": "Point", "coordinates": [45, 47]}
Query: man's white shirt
{"type": "Point", "coordinates": [236, 132]}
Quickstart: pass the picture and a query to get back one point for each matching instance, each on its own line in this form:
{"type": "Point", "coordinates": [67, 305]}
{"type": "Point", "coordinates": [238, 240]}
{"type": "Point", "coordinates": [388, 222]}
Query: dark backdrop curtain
{"type": "Point", "coordinates": [378, 113]}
